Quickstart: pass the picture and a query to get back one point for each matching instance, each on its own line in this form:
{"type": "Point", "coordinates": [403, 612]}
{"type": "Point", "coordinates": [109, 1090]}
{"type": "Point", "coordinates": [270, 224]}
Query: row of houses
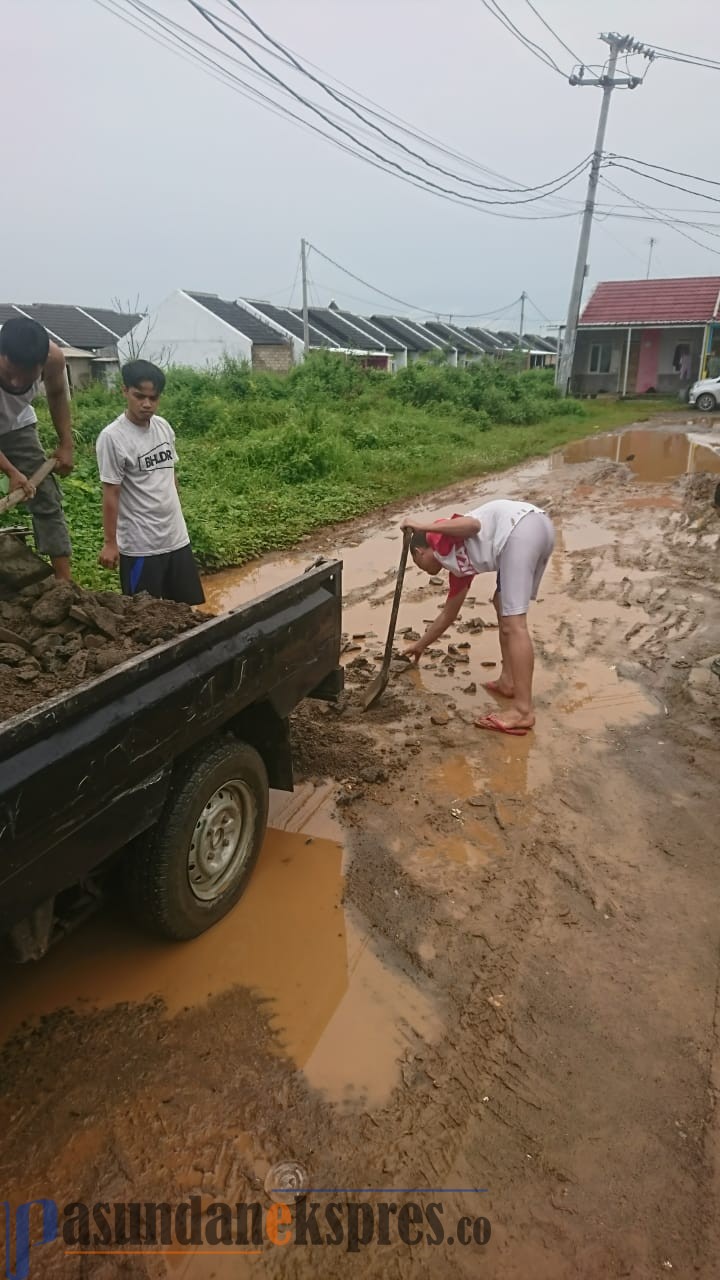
{"type": "Point", "coordinates": [635, 337]}
{"type": "Point", "coordinates": [198, 329]}
{"type": "Point", "coordinates": [89, 336]}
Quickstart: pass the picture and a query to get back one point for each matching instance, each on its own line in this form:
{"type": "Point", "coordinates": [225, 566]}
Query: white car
{"type": "Point", "coordinates": [705, 395]}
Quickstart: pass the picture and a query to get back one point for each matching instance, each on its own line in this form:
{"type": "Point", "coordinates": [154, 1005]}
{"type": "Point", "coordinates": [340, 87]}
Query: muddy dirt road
{"type": "Point", "coordinates": [464, 960]}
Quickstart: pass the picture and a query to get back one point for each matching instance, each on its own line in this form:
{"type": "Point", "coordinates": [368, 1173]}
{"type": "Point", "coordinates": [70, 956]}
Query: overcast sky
{"type": "Point", "coordinates": [128, 172]}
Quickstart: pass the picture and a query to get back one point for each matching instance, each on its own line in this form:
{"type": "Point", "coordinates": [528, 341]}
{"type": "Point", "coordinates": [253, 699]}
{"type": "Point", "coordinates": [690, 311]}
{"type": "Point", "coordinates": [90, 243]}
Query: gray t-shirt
{"type": "Point", "coordinates": [142, 461]}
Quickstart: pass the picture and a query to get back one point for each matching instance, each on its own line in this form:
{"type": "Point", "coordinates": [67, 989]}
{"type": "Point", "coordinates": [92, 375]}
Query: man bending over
{"type": "Point", "coordinates": [513, 540]}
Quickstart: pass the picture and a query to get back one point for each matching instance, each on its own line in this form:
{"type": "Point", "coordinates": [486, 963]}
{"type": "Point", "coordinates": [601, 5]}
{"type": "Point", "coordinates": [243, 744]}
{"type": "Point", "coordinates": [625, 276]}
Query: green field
{"type": "Point", "coordinates": [265, 459]}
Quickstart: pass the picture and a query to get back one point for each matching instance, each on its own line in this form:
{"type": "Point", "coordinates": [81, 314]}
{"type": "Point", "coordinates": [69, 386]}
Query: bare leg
{"type": "Point", "coordinates": [61, 568]}
{"type": "Point", "coordinates": [522, 662]}
{"type": "Point", "coordinates": [504, 683]}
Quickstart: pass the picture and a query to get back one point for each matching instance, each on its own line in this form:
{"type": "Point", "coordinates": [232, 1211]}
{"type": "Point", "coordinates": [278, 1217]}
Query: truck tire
{"type": "Point", "coordinates": [197, 861]}
{"type": "Point", "coordinates": [706, 402]}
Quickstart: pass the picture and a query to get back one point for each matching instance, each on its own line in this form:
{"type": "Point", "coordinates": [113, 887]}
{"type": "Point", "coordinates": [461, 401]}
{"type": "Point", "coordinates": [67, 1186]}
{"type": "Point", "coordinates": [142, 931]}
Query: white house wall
{"type": "Point", "coordinates": [181, 331]}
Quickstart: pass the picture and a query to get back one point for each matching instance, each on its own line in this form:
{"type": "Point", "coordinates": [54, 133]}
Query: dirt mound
{"type": "Point", "coordinates": [327, 745]}
{"type": "Point", "coordinates": [54, 636]}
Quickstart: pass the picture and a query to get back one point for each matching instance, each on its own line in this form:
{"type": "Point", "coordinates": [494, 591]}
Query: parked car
{"type": "Point", "coordinates": [705, 394]}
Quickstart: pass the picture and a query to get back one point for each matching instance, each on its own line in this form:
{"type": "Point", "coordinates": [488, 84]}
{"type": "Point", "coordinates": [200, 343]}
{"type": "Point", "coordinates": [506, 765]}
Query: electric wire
{"type": "Point", "coordinates": [554, 33]}
{"type": "Point", "coordinates": [222, 75]}
{"type": "Point", "coordinates": [210, 18]}
{"type": "Point", "coordinates": [535, 49]}
{"type": "Point", "coordinates": [326, 88]}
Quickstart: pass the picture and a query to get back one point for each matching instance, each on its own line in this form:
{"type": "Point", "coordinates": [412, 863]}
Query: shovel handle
{"type": "Point", "coordinates": [407, 535]}
{"type": "Point", "coordinates": [19, 495]}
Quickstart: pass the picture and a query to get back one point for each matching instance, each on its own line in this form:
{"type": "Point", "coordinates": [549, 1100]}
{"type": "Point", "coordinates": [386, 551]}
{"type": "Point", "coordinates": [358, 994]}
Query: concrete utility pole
{"type": "Point", "coordinates": [652, 246]}
{"type": "Point", "coordinates": [306, 321]}
{"type": "Point", "coordinates": [523, 296]}
{"type": "Point", "coordinates": [607, 82]}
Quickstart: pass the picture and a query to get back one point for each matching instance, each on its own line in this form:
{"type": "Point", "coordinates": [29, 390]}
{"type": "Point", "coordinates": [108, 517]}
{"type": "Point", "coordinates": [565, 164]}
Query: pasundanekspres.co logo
{"type": "Point", "coordinates": [317, 1216]}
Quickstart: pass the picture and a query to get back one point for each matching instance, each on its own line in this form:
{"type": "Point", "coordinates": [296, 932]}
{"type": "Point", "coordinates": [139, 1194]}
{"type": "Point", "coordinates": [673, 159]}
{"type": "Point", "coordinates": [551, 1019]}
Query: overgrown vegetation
{"type": "Point", "coordinates": [265, 459]}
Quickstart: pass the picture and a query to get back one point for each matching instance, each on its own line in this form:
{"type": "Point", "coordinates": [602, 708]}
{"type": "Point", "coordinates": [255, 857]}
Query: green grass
{"type": "Point", "coordinates": [265, 459]}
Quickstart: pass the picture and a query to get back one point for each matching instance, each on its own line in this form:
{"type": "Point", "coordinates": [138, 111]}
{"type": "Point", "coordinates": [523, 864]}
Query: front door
{"type": "Point", "coordinates": [648, 363]}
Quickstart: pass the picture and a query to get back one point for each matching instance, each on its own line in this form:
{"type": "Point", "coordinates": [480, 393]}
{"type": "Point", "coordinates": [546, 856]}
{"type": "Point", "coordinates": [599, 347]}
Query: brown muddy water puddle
{"type": "Point", "coordinates": [651, 453]}
{"type": "Point", "coordinates": [343, 1016]}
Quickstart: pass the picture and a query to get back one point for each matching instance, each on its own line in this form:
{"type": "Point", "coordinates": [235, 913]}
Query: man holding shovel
{"type": "Point", "coordinates": [27, 359]}
{"type": "Point", "coordinates": [515, 541]}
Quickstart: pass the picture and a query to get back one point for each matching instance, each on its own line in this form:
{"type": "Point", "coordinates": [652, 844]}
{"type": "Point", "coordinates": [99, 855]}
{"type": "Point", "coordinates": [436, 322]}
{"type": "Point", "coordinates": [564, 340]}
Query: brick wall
{"type": "Point", "coordinates": [272, 359]}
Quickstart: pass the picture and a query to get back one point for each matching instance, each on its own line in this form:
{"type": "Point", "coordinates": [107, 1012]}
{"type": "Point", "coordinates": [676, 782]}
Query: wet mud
{"type": "Point", "coordinates": [464, 960]}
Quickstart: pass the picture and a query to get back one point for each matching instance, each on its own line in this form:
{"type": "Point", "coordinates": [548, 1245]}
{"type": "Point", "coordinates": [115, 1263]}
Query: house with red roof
{"type": "Point", "coordinates": [638, 337]}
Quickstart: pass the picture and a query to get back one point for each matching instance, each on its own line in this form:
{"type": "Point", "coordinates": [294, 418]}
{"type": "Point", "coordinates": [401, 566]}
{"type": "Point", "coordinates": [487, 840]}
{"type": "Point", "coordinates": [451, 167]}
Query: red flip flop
{"type": "Point", "coordinates": [492, 687]}
{"type": "Point", "coordinates": [497, 726]}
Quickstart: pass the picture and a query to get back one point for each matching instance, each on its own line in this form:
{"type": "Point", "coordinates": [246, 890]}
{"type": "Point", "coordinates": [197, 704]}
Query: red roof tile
{"type": "Point", "coordinates": [685, 301]}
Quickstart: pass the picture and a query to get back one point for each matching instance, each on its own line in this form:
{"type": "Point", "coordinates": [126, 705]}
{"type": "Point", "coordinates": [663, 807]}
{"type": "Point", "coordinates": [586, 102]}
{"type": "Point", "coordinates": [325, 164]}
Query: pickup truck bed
{"type": "Point", "coordinates": [84, 775]}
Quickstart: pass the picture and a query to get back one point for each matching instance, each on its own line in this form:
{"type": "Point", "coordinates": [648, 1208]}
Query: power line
{"type": "Point", "coordinates": [615, 164]}
{"type": "Point", "coordinates": [411, 306]}
{"type": "Point", "coordinates": [343, 101]}
{"type": "Point", "coordinates": [173, 41]}
{"type": "Point", "coordinates": [433, 186]}
{"type": "Point", "coordinates": [676, 55]}
{"type": "Point", "coordinates": [535, 307]}
{"type": "Point", "coordinates": [387, 115]}
{"type": "Point", "coordinates": [678, 173]}
{"type": "Point", "coordinates": [554, 33]}
{"type": "Point", "coordinates": [667, 221]}
{"type": "Point", "coordinates": [224, 76]}
{"type": "Point", "coordinates": [536, 50]}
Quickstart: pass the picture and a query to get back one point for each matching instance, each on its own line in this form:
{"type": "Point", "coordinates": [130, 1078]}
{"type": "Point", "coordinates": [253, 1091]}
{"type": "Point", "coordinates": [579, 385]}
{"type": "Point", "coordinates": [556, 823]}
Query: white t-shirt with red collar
{"type": "Point", "coordinates": [464, 557]}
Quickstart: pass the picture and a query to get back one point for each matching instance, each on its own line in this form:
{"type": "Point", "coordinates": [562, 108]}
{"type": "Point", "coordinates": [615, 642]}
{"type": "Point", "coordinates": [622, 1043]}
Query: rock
{"type": "Point", "coordinates": [48, 643]}
{"type": "Point", "coordinates": [440, 717]}
{"type": "Point", "coordinates": [488, 664]}
{"type": "Point", "coordinates": [78, 664]}
{"type": "Point", "coordinates": [12, 613]}
{"type": "Point", "coordinates": [373, 775]}
{"type": "Point", "coordinates": [471, 689]}
{"type": "Point", "coordinates": [101, 618]}
{"type": "Point", "coordinates": [628, 670]}
{"type": "Point", "coordinates": [436, 582]}
{"type": "Point", "coordinates": [11, 637]}
{"type": "Point", "coordinates": [34, 591]}
{"type": "Point", "coordinates": [93, 641]}
{"type": "Point", "coordinates": [700, 678]}
{"type": "Point", "coordinates": [12, 655]}
{"type": "Point", "coordinates": [27, 673]}
{"type": "Point", "coordinates": [107, 658]}
{"type": "Point", "coordinates": [54, 605]}
{"type": "Point", "coordinates": [480, 802]}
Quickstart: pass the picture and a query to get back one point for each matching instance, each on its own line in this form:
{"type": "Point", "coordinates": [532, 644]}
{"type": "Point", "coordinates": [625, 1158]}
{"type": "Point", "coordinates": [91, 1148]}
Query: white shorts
{"type": "Point", "coordinates": [523, 561]}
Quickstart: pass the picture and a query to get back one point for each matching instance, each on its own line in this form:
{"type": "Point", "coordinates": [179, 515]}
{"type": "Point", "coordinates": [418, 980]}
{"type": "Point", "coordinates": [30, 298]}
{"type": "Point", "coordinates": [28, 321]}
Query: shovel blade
{"type": "Point", "coordinates": [375, 690]}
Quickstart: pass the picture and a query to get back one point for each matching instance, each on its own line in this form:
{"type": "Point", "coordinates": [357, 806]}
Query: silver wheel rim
{"type": "Point", "coordinates": [222, 840]}
{"type": "Point", "coordinates": [706, 402]}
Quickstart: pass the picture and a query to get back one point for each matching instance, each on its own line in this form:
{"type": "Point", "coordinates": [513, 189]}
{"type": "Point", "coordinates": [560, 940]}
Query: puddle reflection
{"type": "Point", "coordinates": [651, 454]}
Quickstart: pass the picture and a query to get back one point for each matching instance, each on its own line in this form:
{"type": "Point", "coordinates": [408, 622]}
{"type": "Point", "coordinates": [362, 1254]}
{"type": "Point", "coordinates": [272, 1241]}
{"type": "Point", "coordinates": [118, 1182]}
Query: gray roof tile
{"type": "Point", "coordinates": [239, 319]}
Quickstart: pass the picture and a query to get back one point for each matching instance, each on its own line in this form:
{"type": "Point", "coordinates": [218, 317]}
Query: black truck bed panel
{"type": "Point", "coordinates": [99, 758]}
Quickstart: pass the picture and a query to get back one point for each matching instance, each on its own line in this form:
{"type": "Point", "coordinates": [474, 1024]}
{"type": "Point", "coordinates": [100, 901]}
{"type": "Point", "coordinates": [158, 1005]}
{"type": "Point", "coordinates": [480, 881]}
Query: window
{"type": "Point", "coordinates": [600, 357]}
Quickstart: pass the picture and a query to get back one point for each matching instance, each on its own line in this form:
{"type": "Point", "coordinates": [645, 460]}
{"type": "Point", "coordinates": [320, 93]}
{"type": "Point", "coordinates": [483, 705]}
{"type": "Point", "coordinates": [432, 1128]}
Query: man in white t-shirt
{"type": "Point", "coordinates": [145, 531]}
{"type": "Point", "coordinates": [515, 541]}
